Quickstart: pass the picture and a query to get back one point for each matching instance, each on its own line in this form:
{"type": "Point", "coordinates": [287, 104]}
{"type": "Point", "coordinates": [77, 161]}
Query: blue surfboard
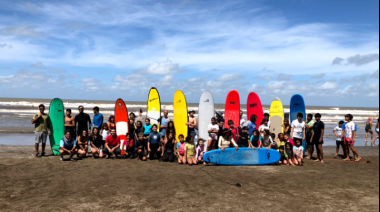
{"type": "Point", "coordinates": [297, 105]}
{"type": "Point", "coordinates": [242, 157]}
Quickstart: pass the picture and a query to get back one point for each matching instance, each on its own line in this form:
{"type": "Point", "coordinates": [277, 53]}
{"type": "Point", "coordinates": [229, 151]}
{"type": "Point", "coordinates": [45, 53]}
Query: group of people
{"type": "Point", "coordinates": [148, 141]}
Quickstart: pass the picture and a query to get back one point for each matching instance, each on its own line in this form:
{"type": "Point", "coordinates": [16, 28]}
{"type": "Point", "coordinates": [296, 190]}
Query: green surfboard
{"type": "Point", "coordinates": [57, 124]}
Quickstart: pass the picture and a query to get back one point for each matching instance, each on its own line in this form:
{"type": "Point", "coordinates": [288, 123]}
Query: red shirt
{"type": "Point", "coordinates": [113, 142]}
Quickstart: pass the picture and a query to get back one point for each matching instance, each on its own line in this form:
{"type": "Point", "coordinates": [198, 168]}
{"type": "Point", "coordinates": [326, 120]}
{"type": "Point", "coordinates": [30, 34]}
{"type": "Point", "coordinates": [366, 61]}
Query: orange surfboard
{"type": "Point", "coordinates": [121, 120]}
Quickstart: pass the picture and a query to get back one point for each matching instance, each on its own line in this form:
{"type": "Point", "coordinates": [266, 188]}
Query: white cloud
{"type": "Point", "coordinates": [329, 86]}
{"type": "Point", "coordinates": [284, 77]}
{"type": "Point", "coordinates": [161, 68]}
{"type": "Point", "coordinates": [39, 65]}
{"type": "Point", "coordinates": [229, 77]}
{"type": "Point", "coordinates": [253, 88]}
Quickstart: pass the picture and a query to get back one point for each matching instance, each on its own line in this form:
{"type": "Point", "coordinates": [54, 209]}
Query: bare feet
{"type": "Point", "coordinates": [359, 158]}
{"type": "Point", "coordinates": [308, 158]}
{"type": "Point", "coordinates": [317, 160]}
{"type": "Point", "coordinates": [336, 155]}
{"type": "Point", "coordinates": [347, 159]}
{"type": "Point", "coordinates": [322, 161]}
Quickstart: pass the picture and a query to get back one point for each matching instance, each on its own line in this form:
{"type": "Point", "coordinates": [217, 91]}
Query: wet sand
{"type": "Point", "coordinates": [32, 184]}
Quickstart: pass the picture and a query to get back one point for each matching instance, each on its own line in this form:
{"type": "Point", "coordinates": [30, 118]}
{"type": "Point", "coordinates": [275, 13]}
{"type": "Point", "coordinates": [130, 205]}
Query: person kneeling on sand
{"type": "Point", "coordinates": [283, 156]}
{"type": "Point", "coordinates": [140, 147]}
{"type": "Point", "coordinates": [181, 150]}
{"type": "Point", "coordinates": [190, 153]}
{"type": "Point", "coordinates": [112, 145]}
{"type": "Point", "coordinates": [226, 141]}
{"type": "Point", "coordinates": [298, 153]}
{"type": "Point", "coordinates": [96, 142]}
{"type": "Point", "coordinates": [68, 147]}
{"type": "Point", "coordinates": [154, 141]}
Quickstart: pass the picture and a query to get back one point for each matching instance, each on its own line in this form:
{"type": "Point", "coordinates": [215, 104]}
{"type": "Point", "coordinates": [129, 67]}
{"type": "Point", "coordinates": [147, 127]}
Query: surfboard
{"type": "Point", "coordinates": [276, 117]}
{"type": "Point", "coordinates": [154, 107]}
{"type": "Point", "coordinates": [206, 113]}
{"type": "Point", "coordinates": [297, 105]}
{"type": "Point", "coordinates": [232, 109]}
{"type": "Point", "coordinates": [121, 120]}
{"type": "Point", "coordinates": [57, 124]}
{"type": "Point", "coordinates": [180, 114]}
{"type": "Point", "coordinates": [254, 107]}
{"type": "Point", "coordinates": [242, 157]}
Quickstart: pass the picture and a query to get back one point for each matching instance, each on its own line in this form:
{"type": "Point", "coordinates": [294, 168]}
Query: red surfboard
{"type": "Point", "coordinates": [232, 111]}
{"type": "Point", "coordinates": [121, 119]}
{"type": "Point", "coordinates": [254, 107]}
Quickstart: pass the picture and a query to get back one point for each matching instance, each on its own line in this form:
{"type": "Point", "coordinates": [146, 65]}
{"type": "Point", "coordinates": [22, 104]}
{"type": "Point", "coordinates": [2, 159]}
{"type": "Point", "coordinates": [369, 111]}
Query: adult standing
{"type": "Point", "coordinates": [111, 123]}
{"type": "Point", "coordinates": [242, 121]}
{"type": "Point", "coordinates": [368, 129]}
{"type": "Point", "coordinates": [377, 130]}
{"type": "Point", "coordinates": [220, 123]}
{"type": "Point", "coordinates": [41, 129]}
{"type": "Point", "coordinates": [98, 118]}
{"type": "Point", "coordinates": [192, 123]}
{"type": "Point", "coordinates": [252, 125]}
{"type": "Point", "coordinates": [164, 123]}
{"type": "Point", "coordinates": [70, 124]}
{"type": "Point", "coordinates": [82, 121]}
{"type": "Point", "coordinates": [317, 137]}
{"type": "Point", "coordinates": [309, 133]}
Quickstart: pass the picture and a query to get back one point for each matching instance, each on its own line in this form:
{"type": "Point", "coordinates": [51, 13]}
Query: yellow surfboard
{"type": "Point", "coordinates": [154, 107]}
{"type": "Point", "coordinates": [276, 117]}
{"type": "Point", "coordinates": [180, 114]}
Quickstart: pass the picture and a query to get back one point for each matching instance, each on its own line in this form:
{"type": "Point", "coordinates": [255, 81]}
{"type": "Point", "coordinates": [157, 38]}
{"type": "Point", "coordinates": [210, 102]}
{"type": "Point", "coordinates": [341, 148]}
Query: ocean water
{"type": "Point", "coordinates": [16, 115]}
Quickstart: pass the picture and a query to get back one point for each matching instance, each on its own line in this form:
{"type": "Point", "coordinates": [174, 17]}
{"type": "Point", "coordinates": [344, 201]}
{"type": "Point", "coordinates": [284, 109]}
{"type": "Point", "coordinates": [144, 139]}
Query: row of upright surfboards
{"type": "Point", "coordinates": [180, 110]}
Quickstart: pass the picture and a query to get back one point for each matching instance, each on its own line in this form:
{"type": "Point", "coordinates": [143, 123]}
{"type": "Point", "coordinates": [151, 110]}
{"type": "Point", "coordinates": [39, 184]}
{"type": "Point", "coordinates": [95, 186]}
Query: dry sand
{"type": "Point", "coordinates": [32, 184]}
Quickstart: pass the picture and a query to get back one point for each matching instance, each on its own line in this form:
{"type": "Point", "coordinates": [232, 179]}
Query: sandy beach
{"type": "Point", "coordinates": [31, 184]}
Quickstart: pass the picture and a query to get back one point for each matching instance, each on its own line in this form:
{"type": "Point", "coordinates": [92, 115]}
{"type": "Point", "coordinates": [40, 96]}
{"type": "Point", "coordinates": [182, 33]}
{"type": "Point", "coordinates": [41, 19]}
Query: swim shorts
{"type": "Point", "coordinates": [348, 141]}
{"type": "Point", "coordinates": [213, 137]}
{"type": "Point", "coordinates": [41, 137]}
{"type": "Point", "coordinates": [339, 143]}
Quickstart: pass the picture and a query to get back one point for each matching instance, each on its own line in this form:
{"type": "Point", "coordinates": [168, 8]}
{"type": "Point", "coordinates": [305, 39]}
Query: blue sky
{"type": "Point", "coordinates": [326, 50]}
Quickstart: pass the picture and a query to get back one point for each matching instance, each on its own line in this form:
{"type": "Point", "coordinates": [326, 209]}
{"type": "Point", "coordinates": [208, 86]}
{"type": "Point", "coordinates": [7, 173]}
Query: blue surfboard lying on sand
{"type": "Point", "coordinates": [297, 105]}
{"type": "Point", "coordinates": [242, 157]}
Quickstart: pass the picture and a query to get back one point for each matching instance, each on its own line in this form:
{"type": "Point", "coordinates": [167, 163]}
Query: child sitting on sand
{"type": "Point", "coordinates": [281, 140]}
{"type": "Point", "coordinates": [298, 153]}
{"type": "Point", "coordinates": [190, 151]}
{"type": "Point", "coordinates": [140, 147]}
{"type": "Point", "coordinates": [288, 140]}
{"type": "Point", "coordinates": [201, 149]}
{"type": "Point", "coordinates": [181, 150]}
{"type": "Point", "coordinates": [283, 156]}
{"type": "Point", "coordinates": [274, 146]}
{"type": "Point", "coordinates": [256, 140]}
{"type": "Point", "coordinates": [289, 154]}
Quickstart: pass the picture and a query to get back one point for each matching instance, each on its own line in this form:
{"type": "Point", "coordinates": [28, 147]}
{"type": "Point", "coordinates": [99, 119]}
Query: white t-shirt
{"type": "Point", "coordinates": [262, 128]}
{"type": "Point", "coordinates": [213, 127]}
{"type": "Point", "coordinates": [298, 128]}
{"type": "Point", "coordinates": [105, 134]}
{"type": "Point", "coordinates": [349, 128]}
{"type": "Point", "coordinates": [338, 131]}
{"type": "Point", "coordinates": [242, 122]}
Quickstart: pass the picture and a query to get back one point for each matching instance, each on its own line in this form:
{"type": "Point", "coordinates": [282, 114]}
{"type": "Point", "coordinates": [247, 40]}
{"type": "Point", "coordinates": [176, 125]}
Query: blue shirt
{"type": "Point", "coordinates": [68, 145]}
{"type": "Point", "coordinates": [98, 121]}
{"type": "Point", "coordinates": [251, 128]}
{"type": "Point", "coordinates": [164, 123]}
{"type": "Point", "coordinates": [147, 129]}
{"type": "Point", "coordinates": [154, 138]}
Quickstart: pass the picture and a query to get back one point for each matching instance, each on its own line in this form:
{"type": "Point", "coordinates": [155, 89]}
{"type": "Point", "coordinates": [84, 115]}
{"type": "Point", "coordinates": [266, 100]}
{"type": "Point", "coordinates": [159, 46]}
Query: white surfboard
{"type": "Point", "coordinates": [206, 112]}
